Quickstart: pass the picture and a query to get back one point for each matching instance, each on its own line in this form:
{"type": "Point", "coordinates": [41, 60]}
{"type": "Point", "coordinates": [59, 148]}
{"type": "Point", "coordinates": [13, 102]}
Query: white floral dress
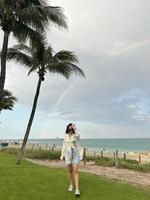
{"type": "Point", "coordinates": [71, 149]}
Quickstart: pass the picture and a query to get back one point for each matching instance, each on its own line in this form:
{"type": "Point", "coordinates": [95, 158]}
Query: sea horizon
{"type": "Point", "coordinates": [81, 138]}
{"type": "Point", "coordinates": [97, 144]}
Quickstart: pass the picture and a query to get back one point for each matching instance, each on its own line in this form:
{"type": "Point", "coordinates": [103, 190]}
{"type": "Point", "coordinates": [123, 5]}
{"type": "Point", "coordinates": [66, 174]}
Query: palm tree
{"type": "Point", "coordinates": [8, 100]}
{"type": "Point", "coordinates": [22, 18]}
{"type": "Point", "coordinates": [43, 60]}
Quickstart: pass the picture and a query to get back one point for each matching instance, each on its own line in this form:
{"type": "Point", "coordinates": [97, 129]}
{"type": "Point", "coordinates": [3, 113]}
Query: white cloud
{"type": "Point", "coordinates": [111, 39]}
{"type": "Point", "coordinates": [120, 48]}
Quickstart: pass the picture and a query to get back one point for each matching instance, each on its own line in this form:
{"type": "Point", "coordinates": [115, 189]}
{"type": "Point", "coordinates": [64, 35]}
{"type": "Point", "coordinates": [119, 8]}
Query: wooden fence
{"type": "Point", "coordinates": [141, 157]}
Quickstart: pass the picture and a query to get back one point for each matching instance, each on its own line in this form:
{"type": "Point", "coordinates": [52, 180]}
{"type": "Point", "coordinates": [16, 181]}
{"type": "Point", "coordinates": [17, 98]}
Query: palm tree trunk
{"type": "Point", "coordinates": [21, 151]}
{"type": "Point", "coordinates": [3, 62]}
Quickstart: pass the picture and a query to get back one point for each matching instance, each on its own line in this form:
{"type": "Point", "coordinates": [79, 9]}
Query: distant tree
{"type": "Point", "coordinates": [8, 100]}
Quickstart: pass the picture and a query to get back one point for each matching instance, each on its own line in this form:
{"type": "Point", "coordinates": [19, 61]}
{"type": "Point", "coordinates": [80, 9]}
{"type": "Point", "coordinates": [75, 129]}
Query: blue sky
{"type": "Point", "coordinates": [112, 40]}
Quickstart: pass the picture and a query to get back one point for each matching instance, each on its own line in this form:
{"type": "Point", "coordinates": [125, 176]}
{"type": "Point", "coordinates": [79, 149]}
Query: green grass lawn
{"type": "Point", "coordinates": [33, 182]}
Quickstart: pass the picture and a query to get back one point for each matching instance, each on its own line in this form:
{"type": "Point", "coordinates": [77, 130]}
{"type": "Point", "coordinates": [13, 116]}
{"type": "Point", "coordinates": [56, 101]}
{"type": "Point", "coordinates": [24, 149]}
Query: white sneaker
{"type": "Point", "coordinates": [70, 188]}
{"type": "Point", "coordinates": [77, 192]}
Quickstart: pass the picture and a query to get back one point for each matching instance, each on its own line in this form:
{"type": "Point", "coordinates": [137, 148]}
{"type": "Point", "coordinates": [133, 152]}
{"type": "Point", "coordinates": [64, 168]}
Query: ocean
{"type": "Point", "coordinates": [97, 144]}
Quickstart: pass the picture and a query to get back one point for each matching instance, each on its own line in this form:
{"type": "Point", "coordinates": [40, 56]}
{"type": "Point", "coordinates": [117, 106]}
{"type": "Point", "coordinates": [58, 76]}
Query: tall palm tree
{"type": "Point", "coordinates": [22, 18]}
{"type": "Point", "coordinates": [43, 60]}
{"type": "Point", "coordinates": [8, 101]}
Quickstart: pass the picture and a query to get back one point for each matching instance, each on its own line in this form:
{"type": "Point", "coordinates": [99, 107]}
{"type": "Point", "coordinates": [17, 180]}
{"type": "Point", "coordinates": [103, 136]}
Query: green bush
{"type": "Point", "coordinates": [130, 161]}
{"type": "Point", "coordinates": [126, 164]}
{"type": "Point", "coordinates": [92, 158]}
{"type": "Point", "coordinates": [42, 154]}
{"type": "Point", "coordinates": [107, 162]}
{"type": "Point", "coordinates": [35, 153]}
{"type": "Point", "coordinates": [9, 150]}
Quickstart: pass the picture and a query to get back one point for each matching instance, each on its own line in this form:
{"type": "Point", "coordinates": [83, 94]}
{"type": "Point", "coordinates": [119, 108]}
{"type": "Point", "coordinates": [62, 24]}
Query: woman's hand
{"type": "Point", "coordinates": [61, 157]}
{"type": "Point", "coordinates": [77, 136]}
{"type": "Point", "coordinates": [74, 127]}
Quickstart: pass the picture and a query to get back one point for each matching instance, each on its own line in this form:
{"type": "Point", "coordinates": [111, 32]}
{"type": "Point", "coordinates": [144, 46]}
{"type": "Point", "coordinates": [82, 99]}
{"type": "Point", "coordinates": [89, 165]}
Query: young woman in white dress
{"type": "Point", "coordinates": [72, 152]}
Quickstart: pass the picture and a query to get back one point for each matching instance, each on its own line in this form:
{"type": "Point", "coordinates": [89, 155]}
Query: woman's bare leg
{"type": "Point", "coordinates": [76, 175]}
{"type": "Point", "coordinates": [70, 168]}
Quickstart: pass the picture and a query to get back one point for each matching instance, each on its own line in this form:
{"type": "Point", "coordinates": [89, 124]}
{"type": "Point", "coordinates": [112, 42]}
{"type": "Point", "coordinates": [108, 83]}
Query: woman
{"type": "Point", "coordinates": [73, 154]}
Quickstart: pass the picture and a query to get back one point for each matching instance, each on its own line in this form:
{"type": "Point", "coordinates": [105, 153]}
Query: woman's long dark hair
{"type": "Point", "coordinates": [67, 129]}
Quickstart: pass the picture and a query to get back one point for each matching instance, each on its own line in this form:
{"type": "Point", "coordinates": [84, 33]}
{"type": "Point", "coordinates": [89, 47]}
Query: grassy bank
{"type": "Point", "coordinates": [34, 182]}
{"type": "Point", "coordinates": [108, 162]}
{"type": "Point", "coordinates": [35, 153]}
{"type": "Point", "coordinates": [121, 163]}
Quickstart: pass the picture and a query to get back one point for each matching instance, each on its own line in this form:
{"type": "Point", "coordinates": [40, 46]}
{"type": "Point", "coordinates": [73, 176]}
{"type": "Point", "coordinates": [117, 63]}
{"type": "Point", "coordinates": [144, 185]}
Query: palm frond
{"type": "Point", "coordinates": [7, 100]}
{"type": "Point", "coordinates": [33, 68]}
{"type": "Point", "coordinates": [23, 32]}
{"type": "Point", "coordinates": [36, 2]}
{"type": "Point", "coordinates": [19, 57]}
{"type": "Point", "coordinates": [66, 56]}
{"type": "Point", "coordinates": [39, 16]}
{"type": "Point", "coordinates": [34, 17]}
{"type": "Point", "coordinates": [56, 16]}
{"type": "Point", "coordinates": [59, 68]}
{"type": "Point", "coordinates": [74, 68]}
{"type": "Point", "coordinates": [4, 4]}
{"type": "Point", "coordinates": [65, 68]}
{"type": "Point", "coordinates": [63, 62]}
{"type": "Point", "coordinates": [22, 47]}
{"type": "Point", "coordinates": [49, 52]}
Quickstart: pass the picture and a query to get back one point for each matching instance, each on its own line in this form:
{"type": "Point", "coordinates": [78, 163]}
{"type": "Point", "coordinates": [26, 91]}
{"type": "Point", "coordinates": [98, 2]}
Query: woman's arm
{"type": "Point", "coordinates": [77, 135]}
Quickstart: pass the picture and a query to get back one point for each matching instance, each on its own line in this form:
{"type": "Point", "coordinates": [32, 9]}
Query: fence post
{"type": "Point", "coordinates": [32, 147]}
{"type": "Point", "coordinates": [84, 155]}
{"type": "Point", "coordinates": [52, 148]}
{"type": "Point", "coordinates": [124, 156]}
{"type": "Point", "coordinates": [102, 154]}
{"type": "Point", "coordinates": [116, 163]}
{"type": "Point", "coordinates": [94, 154]}
{"type": "Point", "coordinates": [139, 158]}
{"type": "Point", "coordinates": [114, 156]}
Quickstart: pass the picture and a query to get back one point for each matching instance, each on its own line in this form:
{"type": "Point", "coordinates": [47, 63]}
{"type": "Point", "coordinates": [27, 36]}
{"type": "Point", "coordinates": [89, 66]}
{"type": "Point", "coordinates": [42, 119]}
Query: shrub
{"type": "Point", "coordinates": [35, 153]}
{"type": "Point", "coordinates": [107, 162]}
